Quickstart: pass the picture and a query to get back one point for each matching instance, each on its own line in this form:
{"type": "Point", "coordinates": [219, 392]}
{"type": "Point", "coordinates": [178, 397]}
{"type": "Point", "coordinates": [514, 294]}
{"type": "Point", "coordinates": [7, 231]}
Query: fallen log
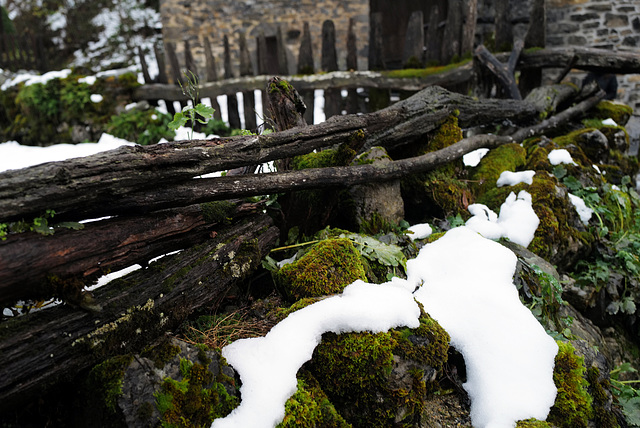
{"type": "Point", "coordinates": [316, 178]}
{"type": "Point", "coordinates": [588, 59]}
{"type": "Point", "coordinates": [55, 344]}
{"type": "Point", "coordinates": [93, 186]}
{"type": "Point", "coordinates": [504, 73]}
{"type": "Point", "coordinates": [61, 265]}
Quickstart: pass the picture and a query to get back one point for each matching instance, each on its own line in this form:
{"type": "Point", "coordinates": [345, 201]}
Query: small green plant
{"type": "Point", "coordinates": [628, 396]}
{"type": "Point", "coordinates": [195, 111]}
{"type": "Point", "coordinates": [141, 126]}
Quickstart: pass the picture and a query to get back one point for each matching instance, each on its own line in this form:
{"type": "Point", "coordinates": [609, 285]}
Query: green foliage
{"type": "Point", "coordinates": [628, 395]}
{"type": "Point", "coordinates": [141, 126]}
{"type": "Point", "coordinates": [197, 113]}
{"type": "Point", "coordinates": [39, 225]}
{"type": "Point", "coordinates": [617, 209]}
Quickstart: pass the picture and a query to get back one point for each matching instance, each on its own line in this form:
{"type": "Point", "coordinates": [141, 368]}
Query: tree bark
{"type": "Point", "coordinates": [101, 247]}
{"type": "Point", "coordinates": [95, 186]}
{"type": "Point", "coordinates": [55, 344]}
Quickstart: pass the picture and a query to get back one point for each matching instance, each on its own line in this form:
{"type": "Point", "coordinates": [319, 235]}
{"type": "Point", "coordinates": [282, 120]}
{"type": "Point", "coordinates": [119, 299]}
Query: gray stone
{"type": "Point", "coordinates": [636, 24]}
{"type": "Point", "coordinates": [581, 17]}
{"type": "Point", "coordinates": [602, 7]}
{"type": "Point", "coordinates": [630, 41]}
{"type": "Point", "coordinates": [616, 20]}
{"type": "Point", "coordinates": [576, 40]}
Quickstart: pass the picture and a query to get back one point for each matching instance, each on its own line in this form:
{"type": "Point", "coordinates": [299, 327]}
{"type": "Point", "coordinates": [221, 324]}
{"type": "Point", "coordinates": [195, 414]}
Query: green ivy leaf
{"type": "Point", "coordinates": [179, 119]}
{"type": "Point", "coordinates": [204, 111]}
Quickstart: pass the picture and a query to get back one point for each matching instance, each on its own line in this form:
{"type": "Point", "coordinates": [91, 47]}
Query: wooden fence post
{"type": "Point", "coordinates": [469, 19]}
{"type": "Point", "coordinates": [332, 97]}
{"type": "Point", "coordinates": [283, 64]}
{"type": "Point", "coordinates": [434, 42]}
{"type": "Point", "coordinates": [249, 100]}
{"type": "Point", "coordinates": [504, 29]}
{"type": "Point", "coordinates": [412, 56]}
{"type": "Point", "coordinates": [143, 64]}
{"type": "Point", "coordinates": [376, 54]}
{"type": "Point", "coordinates": [306, 66]}
{"type": "Point", "coordinates": [451, 38]}
{"type": "Point", "coordinates": [535, 38]}
{"type": "Point", "coordinates": [232, 100]}
{"type": "Point", "coordinates": [211, 75]}
{"type": "Point", "coordinates": [378, 98]}
{"type": "Point", "coordinates": [352, 65]}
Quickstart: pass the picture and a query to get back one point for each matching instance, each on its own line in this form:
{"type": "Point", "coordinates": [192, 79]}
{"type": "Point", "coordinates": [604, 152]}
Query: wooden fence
{"type": "Point", "coordinates": [22, 52]}
{"type": "Point", "coordinates": [351, 92]}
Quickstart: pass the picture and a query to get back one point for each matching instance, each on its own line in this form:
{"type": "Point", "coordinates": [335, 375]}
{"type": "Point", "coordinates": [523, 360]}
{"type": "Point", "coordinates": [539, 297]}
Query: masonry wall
{"type": "Point", "coordinates": [605, 24]}
{"type": "Point", "coordinates": [195, 20]}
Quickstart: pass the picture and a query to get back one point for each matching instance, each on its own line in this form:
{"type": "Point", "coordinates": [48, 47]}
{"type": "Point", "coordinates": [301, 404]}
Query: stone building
{"type": "Point", "coordinates": [609, 24]}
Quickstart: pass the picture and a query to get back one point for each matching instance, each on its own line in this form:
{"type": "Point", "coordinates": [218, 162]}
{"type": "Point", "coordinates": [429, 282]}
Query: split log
{"type": "Point", "coordinates": [57, 343]}
{"type": "Point", "coordinates": [95, 185]}
{"type": "Point", "coordinates": [80, 256]}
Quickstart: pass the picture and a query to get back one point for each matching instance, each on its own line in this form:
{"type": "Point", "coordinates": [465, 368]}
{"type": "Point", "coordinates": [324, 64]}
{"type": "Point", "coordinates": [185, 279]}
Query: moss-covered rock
{"type": "Point", "coordinates": [560, 237]}
{"type": "Point", "coordinates": [620, 113]}
{"type": "Point", "coordinates": [593, 143]}
{"type": "Point", "coordinates": [327, 268]}
{"type": "Point", "coordinates": [508, 157]}
{"type": "Point", "coordinates": [381, 379]}
{"type": "Point", "coordinates": [573, 406]}
{"type": "Point", "coordinates": [310, 407]}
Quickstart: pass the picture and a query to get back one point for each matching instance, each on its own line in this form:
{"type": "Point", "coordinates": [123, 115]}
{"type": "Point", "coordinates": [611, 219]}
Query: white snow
{"type": "Point", "coordinates": [268, 365]}
{"type": "Point", "coordinates": [96, 98]}
{"type": "Point", "coordinates": [517, 220]}
{"type": "Point", "coordinates": [16, 156]}
{"type": "Point", "coordinates": [509, 357]}
{"type": "Point", "coordinates": [609, 122]}
{"type": "Point", "coordinates": [510, 178]}
{"type": "Point", "coordinates": [583, 210]}
{"type": "Point", "coordinates": [465, 282]}
{"type": "Point", "coordinates": [558, 156]}
{"type": "Point", "coordinates": [30, 78]}
{"type": "Point", "coordinates": [419, 231]}
{"type": "Point", "coordinates": [473, 158]}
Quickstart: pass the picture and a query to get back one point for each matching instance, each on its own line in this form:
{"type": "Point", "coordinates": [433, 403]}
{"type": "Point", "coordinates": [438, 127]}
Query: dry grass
{"type": "Point", "coordinates": [217, 331]}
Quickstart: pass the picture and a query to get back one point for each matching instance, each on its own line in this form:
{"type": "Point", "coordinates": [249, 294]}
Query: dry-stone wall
{"type": "Point", "coordinates": [606, 24]}
{"type": "Point", "coordinates": [195, 20]}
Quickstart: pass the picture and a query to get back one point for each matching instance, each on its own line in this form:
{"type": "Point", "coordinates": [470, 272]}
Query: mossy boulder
{"type": "Point", "coordinates": [326, 268]}
{"type": "Point", "coordinates": [573, 406]}
{"type": "Point", "coordinates": [310, 407]}
{"type": "Point", "coordinates": [593, 143]}
{"type": "Point", "coordinates": [381, 379]}
{"type": "Point", "coordinates": [560, 237]}
{"type": "Point", "coordinates": [173, 384]}
{"type": "Point", "coordinates": [508, 157]}
{"type": "Point", "coordinates": [620, 113]}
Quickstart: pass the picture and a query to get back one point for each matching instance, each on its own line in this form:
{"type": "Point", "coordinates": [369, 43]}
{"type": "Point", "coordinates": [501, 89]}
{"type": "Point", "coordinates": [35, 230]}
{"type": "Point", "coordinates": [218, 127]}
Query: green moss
{"type": "Point", "coordinates": [422, 72]}
{"type": "Point", "coordinates": [533, 423]}
{"type": "Point", "coordinates": [436, 340]}
{"type": "Point", "coordinates": [105, 380]}
{"type": "Point", "coordinates": [310, 407]}
{"type": "Point", "coordinates": [218, 212]}
{"type": "Point", "coordinates": [282, 313]}
{"type": "Point", "coordinates": [327, 268]}
{"type": "Point", "coordinates": [508, 157]}
{"type": "Point", "coordinates": [448, 193]}
{"type": "Point", "coordinates": [341, 156]}
{"type": "Point", "coordinates": [355, 371]}
{"type": "Point", "coordinates": [161, 353]}
{"type": "Point", "coordinates": [194, 401]}
{"type": "Point", "coordinates": [620, 113]}
{"type": "Point", "coordinates": [598, 389]}
{"type": "Point", "coordinates": [556, 232]}
{"type": "Point", "coordinates": [573, 405]}
{"type": "Point", "coordinates": [281, 85]}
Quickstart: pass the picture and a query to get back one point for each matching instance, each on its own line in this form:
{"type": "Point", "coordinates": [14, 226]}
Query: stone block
{"type": "Point", "coordinates": [616, 20]}
{"type": "Point", "coordinates": [600, 7]}
{"type": "Point", "coordinates": [631, 41]}
{"type": "Point", "coordinates": [581, 17]}
{"type": "Point", "coordinates": [576, 40]}
{"type": "Point", "coordinates": [636, 24]}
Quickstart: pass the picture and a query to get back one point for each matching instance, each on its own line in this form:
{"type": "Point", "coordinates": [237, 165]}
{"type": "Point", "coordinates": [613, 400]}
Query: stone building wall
{"type": "Point", "coordinates": [195, 20]}
{"type": "Point", "coordinates": [605, 24]}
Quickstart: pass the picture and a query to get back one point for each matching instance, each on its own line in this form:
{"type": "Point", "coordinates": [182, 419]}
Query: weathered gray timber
{"type": "Point", "coordinates": [95, 186]}
{"type": "Point", "coordinates": [55, 344]}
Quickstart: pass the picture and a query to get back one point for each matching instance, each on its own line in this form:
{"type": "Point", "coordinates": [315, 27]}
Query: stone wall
{"type": "Point", "coordinates": [606, 24]}
{"type": "Point", "coordinates": [195, 20]}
